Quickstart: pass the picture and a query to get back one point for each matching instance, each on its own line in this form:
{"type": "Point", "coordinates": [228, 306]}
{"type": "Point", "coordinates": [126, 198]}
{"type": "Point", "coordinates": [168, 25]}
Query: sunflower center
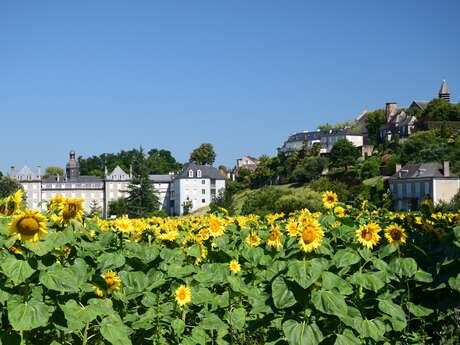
{"type": "Point", "coordinates": [395, 234]}
{"type": "Point", "coordinates": [366, 234]}
{"type": "Point", "coordinates": [308, 236]}
{"type": "Point", "coordinates": [330, 199]}
{"type": "Point", "coordinates": [28, 226]}
{"type": "Point", "coordinates": [181, 295]}
{"type": "Point", "coordinates": [70, 212]}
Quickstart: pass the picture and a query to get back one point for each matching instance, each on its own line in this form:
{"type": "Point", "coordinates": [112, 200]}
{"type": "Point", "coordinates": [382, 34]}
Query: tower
{"type": "Point", "coordinates": [72, 167]}
{"type": "Point", "coordinates": [444, 92]}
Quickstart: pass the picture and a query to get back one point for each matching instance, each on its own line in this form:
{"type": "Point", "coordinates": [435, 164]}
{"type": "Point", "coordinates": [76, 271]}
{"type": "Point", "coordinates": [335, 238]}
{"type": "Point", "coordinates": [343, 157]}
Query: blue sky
{"type": "Point", "coordinates": [101, 76]}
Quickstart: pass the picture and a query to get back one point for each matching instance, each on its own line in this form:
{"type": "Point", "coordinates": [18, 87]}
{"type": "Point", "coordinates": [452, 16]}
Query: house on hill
{"type": "Point", "coordinates": [414, 182]}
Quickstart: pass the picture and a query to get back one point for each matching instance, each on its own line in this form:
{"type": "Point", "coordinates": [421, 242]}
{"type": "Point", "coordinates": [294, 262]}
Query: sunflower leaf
{"type": "Point", "coordinates": [16, 270]}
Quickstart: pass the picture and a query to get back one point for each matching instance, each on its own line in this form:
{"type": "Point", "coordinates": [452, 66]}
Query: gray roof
{"type": "Point", "coordinates": [421, 170]}
{"type": "Point", "coordinates": [419, 104]}
{"type": "Point", "coordinates": [118, 171]}
{"type": "Point", "coordinates": [207, 171]}
{"type": "Point", "coordinates": [161, 178]}
{"type": "Point", "coordinates": [79, 179]}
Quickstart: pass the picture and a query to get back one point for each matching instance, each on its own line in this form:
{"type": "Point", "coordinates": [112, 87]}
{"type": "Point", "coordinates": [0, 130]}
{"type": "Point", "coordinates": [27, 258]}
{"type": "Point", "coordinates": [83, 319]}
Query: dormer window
{"type": "Point", "coordinates": [190, 173]}
{"type": "Point", "coordinates": [198, 173]}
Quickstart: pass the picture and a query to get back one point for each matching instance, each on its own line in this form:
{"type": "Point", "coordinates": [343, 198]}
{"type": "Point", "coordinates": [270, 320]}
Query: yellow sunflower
{"type": "Point", "coordinates": [123, 224]}
{"type": "Point", "coordinates": [253, 239]}
{"type": "Point", "coordinates": [274, 239]}
{"type": "Point", "coordinates": [339, 211]}
{"type": "Point", "coordinates": [292, 229]}
{"type": "Point", "coordinates": [394, 233]}
{"type": "Point", "coordinates": [368, 235]}
{"type": "Point", "coordinates": [29, 225]}
{"type": "Point", "coordinates": [112, 280]}
{"type": "Point", "coordinates": [216, 228]}
{"type": "Point", "coordinates": [56, 202]}
{"type": "Point", "coordinates": [71, 208]}
{"type": "Point", "coordinates": [12, 204]}
{"type": "Point", "coordinates": [329, 199]}
{"type": "Point", "coordinates": [183, 295]}
{"type": "Point", "coordinates": [234, 266]}
{"type": "Point", "coordinates": [310, 235]}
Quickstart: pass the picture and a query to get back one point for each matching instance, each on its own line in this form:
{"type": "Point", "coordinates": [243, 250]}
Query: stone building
{"type": "Point", "coordinates": [198, 184]}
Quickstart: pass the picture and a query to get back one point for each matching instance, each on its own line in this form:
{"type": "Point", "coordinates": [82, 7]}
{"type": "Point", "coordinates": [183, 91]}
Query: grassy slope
{"type": "Point", "coordinates": [240, 196]}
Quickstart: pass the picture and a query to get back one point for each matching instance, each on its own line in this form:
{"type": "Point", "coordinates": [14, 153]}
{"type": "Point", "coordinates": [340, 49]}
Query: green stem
{"type": "Point", "coordinates": [85, 334]}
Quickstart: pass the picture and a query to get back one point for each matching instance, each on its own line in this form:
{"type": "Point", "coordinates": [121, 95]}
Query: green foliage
{"type": "Point", "coordinates": [271, 199]}
{"type": "Point", "coordinates": [424, 147]}
{"type": "Point", "coordinates": [309, 168]}
{"type": "Point", "coordinates": [343, 154]}
{"type": "Point", "coordinates": [203, 154]}
{"type": "Point", "coordinates": [370, 168]}
{"type": "Point", "coordinates": [53, 171]}
{"type": "Point", "coordinates": [324, 184]}
{"type": "Point", "coordinates": [438, 110]}
{"type": "Point", "coordinates": [261, 201]}
{"type": "Point", "coordinates": [374, 122]}
{"type": "Point", "coordinates": [118, 207]}
{"type": "Point", "coordinates": [157, 162]}
{"type": "Point", "coordinates": [142, 199]}
{"type": "Point", "coordinates": [8, 186]}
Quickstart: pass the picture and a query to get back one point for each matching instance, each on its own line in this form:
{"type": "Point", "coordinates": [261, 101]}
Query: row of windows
{"type": "Point", "coordinates": [73, 185]}
{"type": "Point", "coordinates": [411, 189]}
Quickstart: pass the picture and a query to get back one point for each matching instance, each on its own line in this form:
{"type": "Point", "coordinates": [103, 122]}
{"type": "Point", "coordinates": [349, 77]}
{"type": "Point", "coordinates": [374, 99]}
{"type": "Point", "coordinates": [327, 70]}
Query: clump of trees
{"type": "Point", "coordinates": [157, 161]}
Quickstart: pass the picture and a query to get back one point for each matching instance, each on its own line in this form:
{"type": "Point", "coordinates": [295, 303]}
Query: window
{"type": "Point", "coordinates": [198, 173]}
{"type": "Point", "coordinates": [203, 181]}
{"type": "Point", "coordinates": [190, 173]}
{"type": "Point", "coordinates": [203, 191]}
{"type": "Point", "coordinates": [203, 200]}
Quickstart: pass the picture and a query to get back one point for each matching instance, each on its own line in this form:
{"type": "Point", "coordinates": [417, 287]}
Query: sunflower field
{"type": "Point", "coordinates": [343, 276]}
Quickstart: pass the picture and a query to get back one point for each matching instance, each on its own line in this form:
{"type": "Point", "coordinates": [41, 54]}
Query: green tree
{"type": "Point", "coordinates": [424, 146]}
{"type": "Point", "coordinates": [375, 120]}
{"type": "Point", "coordinates": [142, 199]}
{"type": "Point", "coordinates": [343, 154]}
{"type": "Point", "coordinates": [53, 171]}
{"type": "Point", "coordinates": [370, 168]}
{"type": "Point", "coordinates": [203, 154]}
{"type": "Point", "coordinates": [187, 206]}
{"type": "Point", "coordinates": [118, 207]}
{"type": "Point", "coordinates": [8, 186]}
{"type": "Point", "coordinates": [161, 162]}
{"type": "Point", "coordinates": [309, 168]}
{"type": "Point", "coordinates": [438, 110]}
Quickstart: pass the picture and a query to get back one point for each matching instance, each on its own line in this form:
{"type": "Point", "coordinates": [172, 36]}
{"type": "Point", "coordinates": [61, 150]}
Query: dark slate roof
{"type": "Point", "coordinates": [79, 179]}
{"type": "Point", "coordinates": [419, 104]}
{"type": "Point", "coordinates": [421, 170]}
{"type": "Point", "coordinates": [161, 178]}
{"type": "Point", "coordinates": [207, 171]}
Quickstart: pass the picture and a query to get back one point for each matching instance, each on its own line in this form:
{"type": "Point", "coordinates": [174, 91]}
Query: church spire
{"type": "Point", "coordinates": [444, 92]}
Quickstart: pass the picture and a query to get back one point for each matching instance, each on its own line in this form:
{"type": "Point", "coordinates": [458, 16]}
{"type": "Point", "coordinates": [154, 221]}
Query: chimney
{"type": "Point", "coordinates": [39, 171]}
{"type": "Point", "coordinates": [398, 167]}
{"type": "Point", "coordinates": [446, 168]}
{"type": "Point", "coordinates": [13, 171]}
{"type": "Point", "coordinates": [390, 110]}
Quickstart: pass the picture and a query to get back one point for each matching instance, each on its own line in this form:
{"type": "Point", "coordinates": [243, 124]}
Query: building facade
{"type": "Point", "coordinates": [325, 139]}
{"type": "Point", "coordinates": [415, 182]}
{"type": "Point", "coordinates": [195, 184]}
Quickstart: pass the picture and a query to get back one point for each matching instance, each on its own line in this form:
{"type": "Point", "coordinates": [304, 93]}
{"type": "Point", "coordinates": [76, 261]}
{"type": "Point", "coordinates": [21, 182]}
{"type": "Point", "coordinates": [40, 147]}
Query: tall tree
{"type": "Point", "coordinates": [375, 120]}
{"type": "Point", "coordinates": [343, 154]}
{"type": "Point", "coordinates": [203, 154]}
{"type": "Point", "coordinates": [53, 171]}
{"type": "Point", "coordinates": [142, 199]}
